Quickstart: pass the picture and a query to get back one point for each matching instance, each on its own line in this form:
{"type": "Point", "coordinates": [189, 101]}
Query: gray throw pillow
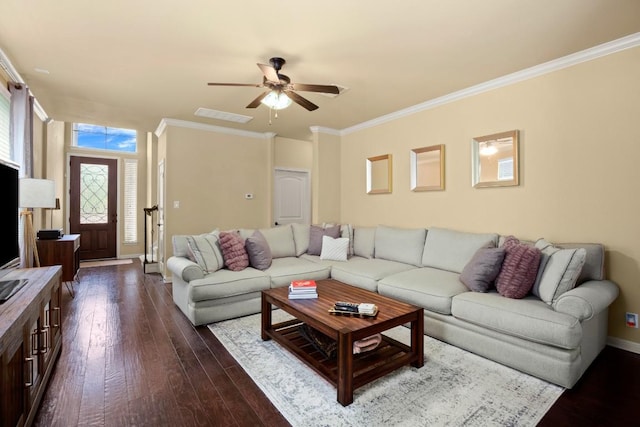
{"type": "Point", "coordinates": [315, 237]}
{"type": "Point", "coordinates": [483, 268]}
{"type": "Point", "coordinates": [258, 250]}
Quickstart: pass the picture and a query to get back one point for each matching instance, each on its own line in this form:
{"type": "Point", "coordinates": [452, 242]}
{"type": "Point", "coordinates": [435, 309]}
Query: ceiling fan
{"type": "Point", "coordinates": [279, 85]}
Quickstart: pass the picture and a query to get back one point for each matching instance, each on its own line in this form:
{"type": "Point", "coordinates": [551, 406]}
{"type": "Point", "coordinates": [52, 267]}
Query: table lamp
{"type": "Point", "coordinates": [34, 193]}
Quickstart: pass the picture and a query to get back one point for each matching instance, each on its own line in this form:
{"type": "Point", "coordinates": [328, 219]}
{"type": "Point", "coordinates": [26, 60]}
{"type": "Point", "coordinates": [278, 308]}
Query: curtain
{"type": "Point", "coordinates": [21, 136]}
{"type": "Point", "coordinates": [21, 130]}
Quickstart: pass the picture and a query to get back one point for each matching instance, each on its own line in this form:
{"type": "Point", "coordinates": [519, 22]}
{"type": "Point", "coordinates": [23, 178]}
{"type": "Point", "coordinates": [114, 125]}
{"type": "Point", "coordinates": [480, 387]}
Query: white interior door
{"type": "Point", "coordinates": [161, 216]}
{"type": "Point", "coordinates": [291, 197]}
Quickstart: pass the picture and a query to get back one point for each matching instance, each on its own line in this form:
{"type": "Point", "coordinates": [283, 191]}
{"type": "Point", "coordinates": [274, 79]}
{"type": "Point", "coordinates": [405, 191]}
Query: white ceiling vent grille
{"type": "Point", "coordinates": [222, 115]}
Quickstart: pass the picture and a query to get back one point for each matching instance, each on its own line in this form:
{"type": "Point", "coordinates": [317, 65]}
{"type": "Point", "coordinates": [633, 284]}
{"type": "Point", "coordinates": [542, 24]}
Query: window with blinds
{"type": "Point", "coordinates": [5, 142]}
{"type": "Point", "coordinates": [130, 201]}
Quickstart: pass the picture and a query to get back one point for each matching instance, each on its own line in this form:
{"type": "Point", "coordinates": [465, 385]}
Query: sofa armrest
{"type": "Point", "coordinates": [184, 268]}
{"type": "Point", "coordinates": [588, 299]}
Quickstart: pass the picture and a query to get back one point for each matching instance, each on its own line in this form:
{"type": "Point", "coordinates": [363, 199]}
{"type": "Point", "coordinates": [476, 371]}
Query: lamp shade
{"type": "Point", "coordinates": [37, 193]}
{"type": "Point", "coordinates": [276, 100]}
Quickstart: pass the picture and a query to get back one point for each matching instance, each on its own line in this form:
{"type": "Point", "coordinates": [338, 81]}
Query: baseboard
{"type": "Point", "coordinates": [631, 346]}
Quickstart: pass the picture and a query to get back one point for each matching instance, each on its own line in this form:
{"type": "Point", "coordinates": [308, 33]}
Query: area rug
{"type": "Point", "coordinates": [85, 264]}
{"type": "Point", "coordinates": [454, 387]}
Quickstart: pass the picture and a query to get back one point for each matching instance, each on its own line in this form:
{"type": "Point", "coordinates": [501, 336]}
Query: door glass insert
{"type": "Point", "coordinates": [94, 189]}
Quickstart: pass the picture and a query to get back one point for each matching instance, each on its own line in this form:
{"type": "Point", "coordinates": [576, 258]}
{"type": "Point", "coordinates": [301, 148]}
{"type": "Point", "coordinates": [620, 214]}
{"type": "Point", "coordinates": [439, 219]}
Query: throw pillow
{"type": "Point", "coordinates": [559, 270]}
{"type": "Point", "coordinates": [233, 251]}
{"type": "Point", "coordinates": [315, 237]}
{"type": "Point", "coordinates": [205, 252]}
{"type": "Point", "coordinates": [334, 249]}
{"type": "Point", "coordinates": [483, 268]}
{"type": "Point", "coordinates": [258, 251]}
{"type": "Point", "coordinates": [519, 269]}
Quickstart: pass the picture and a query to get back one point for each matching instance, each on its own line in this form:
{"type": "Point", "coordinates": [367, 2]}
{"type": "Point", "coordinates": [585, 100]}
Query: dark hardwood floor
{"type": "Point", "coordinates": [130, 358]}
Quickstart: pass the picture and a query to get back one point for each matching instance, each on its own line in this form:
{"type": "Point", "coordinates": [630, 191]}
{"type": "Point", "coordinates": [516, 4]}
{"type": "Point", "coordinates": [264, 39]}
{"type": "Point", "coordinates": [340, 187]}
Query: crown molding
{"type": "Point", "coordinates": [322, 129]}
{"type": "Point", "coordinates": [590, 54]}
{"type": "Point", "coordinates": [13, 74]}
{"type": "Point", "coordinates": [210, 128]}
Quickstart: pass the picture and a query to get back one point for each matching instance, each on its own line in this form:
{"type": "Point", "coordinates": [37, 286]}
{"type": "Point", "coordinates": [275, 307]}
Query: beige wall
{"type": "Point", "coordinates": [293, 153]}
{"type": "Point", "coordinates": [209, 173]}
{"type": "Point", "coordinates": [326, 178]}
{"type": "Point", "coordinates": [580, 145]}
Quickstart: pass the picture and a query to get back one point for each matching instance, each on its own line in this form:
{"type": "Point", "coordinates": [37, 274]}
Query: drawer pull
{"type": "Point", "coordinates": [34, 343]}
{"type": "Point", "coordinates": [29, 362]}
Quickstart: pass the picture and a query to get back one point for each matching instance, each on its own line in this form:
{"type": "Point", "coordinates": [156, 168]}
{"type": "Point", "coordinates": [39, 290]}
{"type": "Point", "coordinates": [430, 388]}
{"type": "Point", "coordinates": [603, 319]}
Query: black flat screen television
{"type": "Point", "coordinates": [9, 216]}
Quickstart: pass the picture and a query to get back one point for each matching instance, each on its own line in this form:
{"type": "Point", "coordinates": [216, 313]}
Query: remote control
{"type": "Point", "coordinates": [346, 306]}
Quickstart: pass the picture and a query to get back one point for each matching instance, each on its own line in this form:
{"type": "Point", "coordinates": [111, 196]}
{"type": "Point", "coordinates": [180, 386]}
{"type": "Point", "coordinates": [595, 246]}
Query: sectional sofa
{"type": "Point", "coordinates": [553, 333]}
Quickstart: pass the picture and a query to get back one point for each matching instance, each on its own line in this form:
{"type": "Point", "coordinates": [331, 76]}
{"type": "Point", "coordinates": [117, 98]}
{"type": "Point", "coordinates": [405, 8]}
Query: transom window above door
{"type": "Point", "coordinates": [104, 138]}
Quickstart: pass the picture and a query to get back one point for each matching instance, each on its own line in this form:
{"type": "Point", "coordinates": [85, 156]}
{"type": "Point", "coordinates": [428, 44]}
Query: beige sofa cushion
{"type": "Point", "coordinates": [365, 273]}
{"type": "Point", "coordinates": [400, 244]}
{"type": "Point", "coordinates": [363, 241]}
{"type": "Point", "coordinates": [280, 240]}
{"type": "Point", "coordinates": [429, 288]}
{"type": "Point", "coordinates": [451, 250]}
{"type": "Point", "coordinates": [528, 318]}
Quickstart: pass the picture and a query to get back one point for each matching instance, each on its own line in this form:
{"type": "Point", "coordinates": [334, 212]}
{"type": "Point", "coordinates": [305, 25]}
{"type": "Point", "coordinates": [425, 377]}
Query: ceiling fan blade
{"type": "Point", "coordinates": [269, 72]}
{"type": "Point", "coordinates": [317, 88]}
{"type": "Point", "coordinates": [301, 101]}
{"type": "Point", "coordinates": [256, 102]}
{"type": "Point", "coordinates": [235, 84]}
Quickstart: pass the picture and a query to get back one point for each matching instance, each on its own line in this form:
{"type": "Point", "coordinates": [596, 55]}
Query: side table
{"type": "Point", "coordinates": [65, 252]}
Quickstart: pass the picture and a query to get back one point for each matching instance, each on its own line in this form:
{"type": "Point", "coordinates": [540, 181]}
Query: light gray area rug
{"type": "Point", "coordinates": [454, 387]}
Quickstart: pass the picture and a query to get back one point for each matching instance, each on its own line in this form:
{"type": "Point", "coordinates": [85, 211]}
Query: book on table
{"type": "Point", "coordinates": [303, 289]}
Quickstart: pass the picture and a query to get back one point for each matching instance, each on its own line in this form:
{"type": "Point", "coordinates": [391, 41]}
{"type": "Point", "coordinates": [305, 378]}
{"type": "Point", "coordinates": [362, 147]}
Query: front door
{"type": "Point", "coordinates": [93, 205]}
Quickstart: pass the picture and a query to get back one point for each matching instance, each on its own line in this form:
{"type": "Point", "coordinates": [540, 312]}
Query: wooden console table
{"type": "Point", "coordinates": [30, 342]}
{"type": "Point", "coordinates": [63, 251]}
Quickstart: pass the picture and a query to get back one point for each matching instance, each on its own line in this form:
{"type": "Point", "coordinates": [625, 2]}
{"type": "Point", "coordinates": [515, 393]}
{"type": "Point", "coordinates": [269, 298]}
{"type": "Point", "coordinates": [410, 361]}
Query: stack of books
{"type": "Point", "coordinates": [303, 289]}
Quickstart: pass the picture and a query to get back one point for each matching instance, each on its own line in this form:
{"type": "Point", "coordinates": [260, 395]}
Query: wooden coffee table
{"type": "Point", "coordinates": [348, 371]}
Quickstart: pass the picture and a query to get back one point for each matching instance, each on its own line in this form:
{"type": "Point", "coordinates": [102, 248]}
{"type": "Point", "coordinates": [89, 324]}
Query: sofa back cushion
{"type": "Point", "coordinates": [301, 237]}
{"type": "Point", "coordinates": [400, 244]}
{"type": "Point", "coordinates": [364, 241]}
{"type": "Point", "coordinates": [451, 250]}
{"type": "Point", "coordinates": [280, 240]}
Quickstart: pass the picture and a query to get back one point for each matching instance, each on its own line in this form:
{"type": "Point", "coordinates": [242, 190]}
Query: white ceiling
{"type": "Point", "coordinates": [131, 63]}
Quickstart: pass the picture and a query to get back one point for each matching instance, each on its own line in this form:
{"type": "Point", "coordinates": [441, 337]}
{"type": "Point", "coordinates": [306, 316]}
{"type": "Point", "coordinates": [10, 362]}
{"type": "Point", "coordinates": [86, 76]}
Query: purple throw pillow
{"type": "Point", "coordinates": [258, 250]}
{"type": "Point", "coordinates": [519, 269]}
{"type": "Point", "coordinates": [315, 237]}
{"type": "Point", "coordinates": [481, 271]}
{"type": "Point", "coordinates": [233, 251]}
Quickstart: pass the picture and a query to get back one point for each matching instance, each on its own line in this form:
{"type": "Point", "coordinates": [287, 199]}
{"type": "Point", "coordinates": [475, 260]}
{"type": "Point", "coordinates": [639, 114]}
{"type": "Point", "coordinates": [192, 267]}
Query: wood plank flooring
{"type": "Point", "coordinates": [130, 358]}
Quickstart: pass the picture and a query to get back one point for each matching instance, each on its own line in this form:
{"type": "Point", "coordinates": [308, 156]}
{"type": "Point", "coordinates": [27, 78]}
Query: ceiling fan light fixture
{"type": "Point", "coordinates": [276, 100]}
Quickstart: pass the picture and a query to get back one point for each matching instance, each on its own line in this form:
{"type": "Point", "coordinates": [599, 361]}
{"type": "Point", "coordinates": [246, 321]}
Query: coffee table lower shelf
{"type": "Point", "coordinates": [366, 367]}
